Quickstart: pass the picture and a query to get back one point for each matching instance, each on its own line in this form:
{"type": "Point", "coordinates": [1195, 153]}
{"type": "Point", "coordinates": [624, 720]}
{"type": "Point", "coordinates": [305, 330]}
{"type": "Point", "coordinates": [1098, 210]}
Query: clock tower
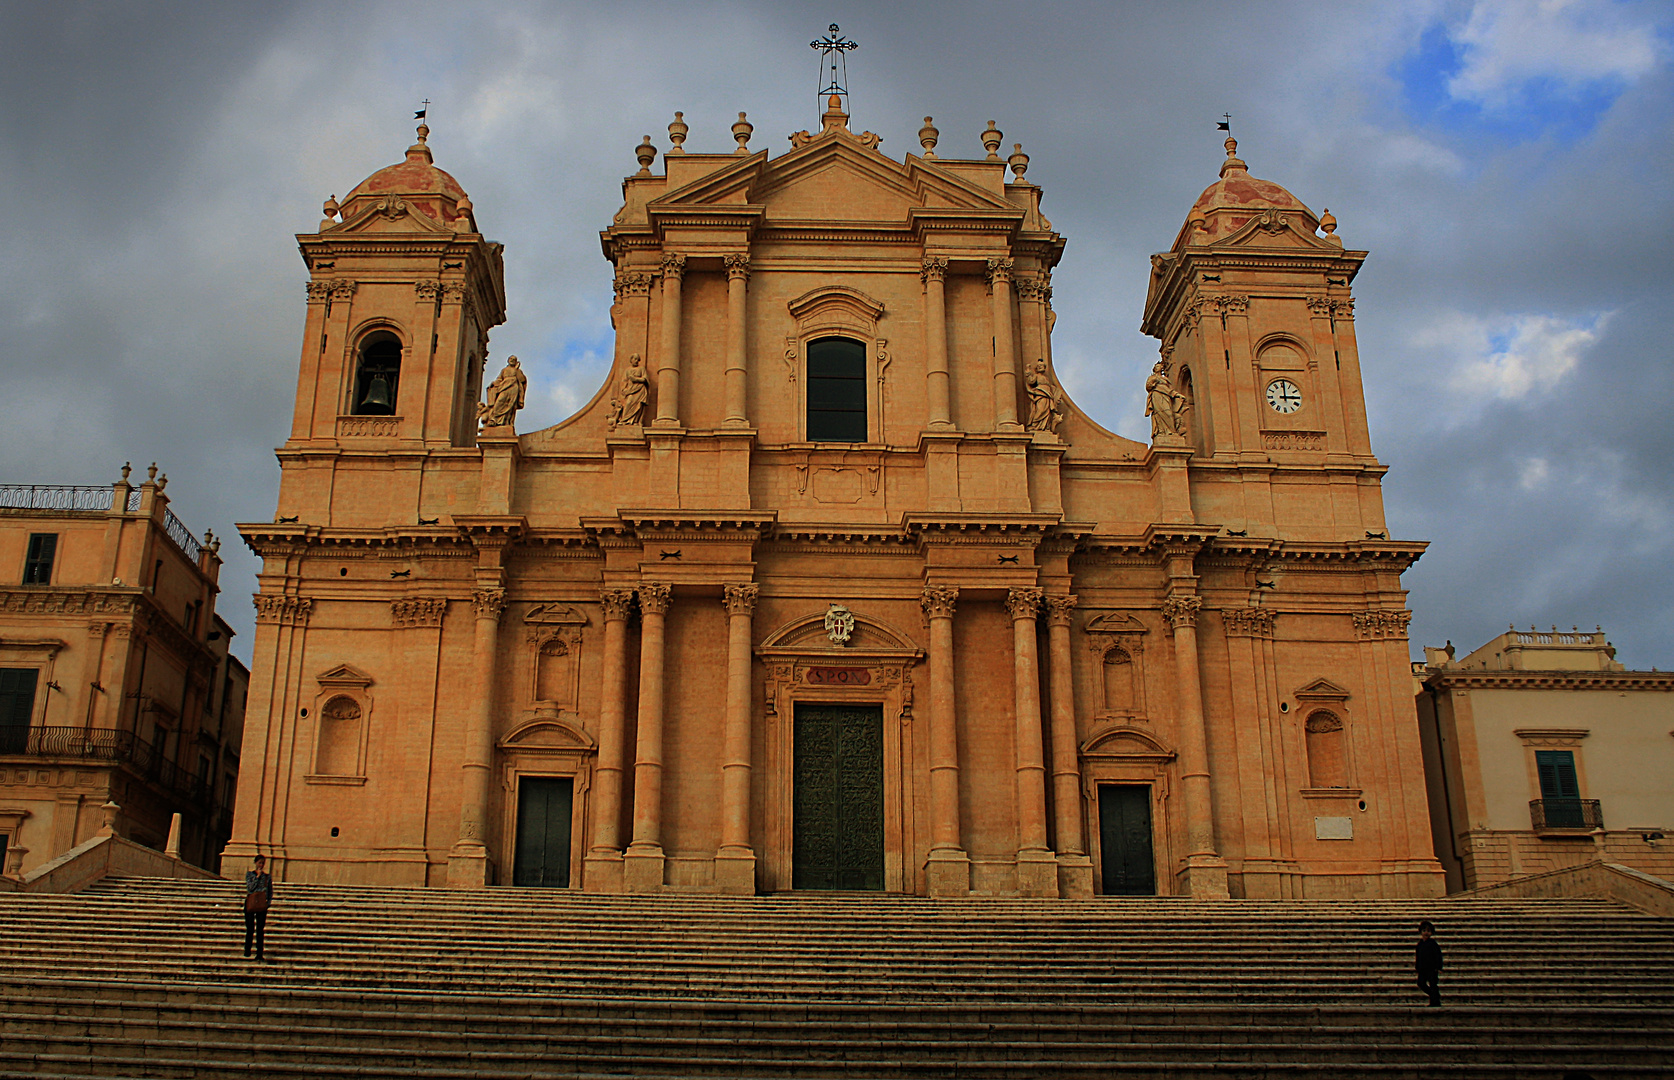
{"type": "Point", "coordinates": [1257, 323]}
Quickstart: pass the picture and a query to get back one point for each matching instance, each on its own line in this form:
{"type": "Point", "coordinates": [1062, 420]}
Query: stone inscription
{"type": "Point", "coordinates": [839, 676]}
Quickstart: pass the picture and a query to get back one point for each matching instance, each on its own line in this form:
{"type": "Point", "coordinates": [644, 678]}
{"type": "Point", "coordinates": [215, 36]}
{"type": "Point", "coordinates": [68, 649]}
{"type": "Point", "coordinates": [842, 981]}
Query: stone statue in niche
{"type": "Point", "coordinates": [504, 396]}
{"type": "Point", "coordinates": [629, 409]}
{"type": "Point", "coordinates": [1045, 400]}
{"type": "Point", "coordinates": [1165, 405]}
{"type": "Point", "coordinates": [839, 624]}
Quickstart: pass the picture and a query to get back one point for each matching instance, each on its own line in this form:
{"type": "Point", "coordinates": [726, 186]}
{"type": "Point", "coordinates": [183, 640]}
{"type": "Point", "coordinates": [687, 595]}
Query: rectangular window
{"type": "Point", "coordinates": [17, 708]}
{"type": "Point", "coordinates": [1557, 774]}
{"type": "Point", "coordinates": [836, 390]}
{"type": "Point", "coordinates": [37, 564]}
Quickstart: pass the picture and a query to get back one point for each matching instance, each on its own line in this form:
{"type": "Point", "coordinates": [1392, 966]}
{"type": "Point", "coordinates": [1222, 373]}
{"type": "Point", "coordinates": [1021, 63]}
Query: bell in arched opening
{"type": "Point", "coordinates": [377, 376]}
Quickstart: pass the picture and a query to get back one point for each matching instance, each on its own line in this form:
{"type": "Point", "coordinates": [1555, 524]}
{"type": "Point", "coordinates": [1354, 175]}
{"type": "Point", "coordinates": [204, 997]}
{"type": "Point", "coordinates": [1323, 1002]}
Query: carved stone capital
{"type": "Point", "coordinates": [655, 597]}
{"type": "Point", "coordinates": [738, 267]}
{"type": "Point", "coordinates": [938, 601]}
{"type": "Point", "coordinates": [618, 604]}
{"type": "Point", "coordinates": [674, 266]}
{"type": "Point", "coordinates": [1032, 287]}
{"type": "Point", "coordinates": [286, 610]}
{"type": "Point", "coordinates": [1060, 609]}
{"type": "Point", "coordinates": [489, 603]}
{"type": "Point", "coordinates": [1382, 625]}
{"type": "Point", "coordinates": [453, 293]}
{"type": "Point", "coordinates": [1319, 306]}
{"type": "Point", "coordinates": [935, 269]}
{"type": "Point", "coordinates": [999, 270]}
{"type": "Point", "coordinates": [319, 292]}
{"type": "Point", "coordinates": [740, 599]}
{"type": "Point", "coordinates": [428, 290]}
{"type": "Point", "coordinates": [1234, 304]}
{"type": "Point", "coordinates": [1023, 602]}
{"type": "Point", "coordinates": [1181, 611]}
{"type": "Point", "coordinates": [633, 283]}
{"type": "Point", "coordinates": [342, 291]}
{"type": "Point", "coordinates": [1248, 622]}
{"type": "Point", "coordinates": [418, 610]}
{"type": "Point", "coordinates": [1343, 309]}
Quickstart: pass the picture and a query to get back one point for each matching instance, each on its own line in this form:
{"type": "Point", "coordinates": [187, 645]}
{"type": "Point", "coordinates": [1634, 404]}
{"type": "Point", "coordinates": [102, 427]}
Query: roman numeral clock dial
{"type": "Point", "coordinates": [1284, 396]}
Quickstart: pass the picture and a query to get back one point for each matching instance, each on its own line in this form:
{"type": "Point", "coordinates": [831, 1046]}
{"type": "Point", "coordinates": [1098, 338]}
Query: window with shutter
{"type": "Point", "coordinates": [17, 705]}
{"type": "Point", "coordinates": [1557, 774]}
{"type": "Point", "coordinates": [37, 563]}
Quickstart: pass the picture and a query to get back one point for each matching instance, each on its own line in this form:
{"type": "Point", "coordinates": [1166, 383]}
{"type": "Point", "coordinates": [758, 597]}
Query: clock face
{"type": "Point", "coordinates": [1283, 396]}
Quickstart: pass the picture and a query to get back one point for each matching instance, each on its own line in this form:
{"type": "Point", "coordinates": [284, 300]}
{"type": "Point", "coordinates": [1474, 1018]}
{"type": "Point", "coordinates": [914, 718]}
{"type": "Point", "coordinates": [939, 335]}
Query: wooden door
{"type": "Point", "coordinates": [1125, 840]}
{"type": "Point", "coordinates": [544, 810]}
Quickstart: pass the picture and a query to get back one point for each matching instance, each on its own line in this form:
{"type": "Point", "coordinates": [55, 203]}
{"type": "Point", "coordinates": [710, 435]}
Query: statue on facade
{"type": "Point", "coordinates": [1165, 405]}
{"type": "Point", "coordinates": [629, 409]}
{"type": "Point", "coordinates": [1045, 400]}
{"type": "Point", "coordinates": [504, 396]}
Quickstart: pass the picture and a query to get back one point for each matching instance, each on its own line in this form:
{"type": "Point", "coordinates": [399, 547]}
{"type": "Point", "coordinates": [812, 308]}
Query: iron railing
{"type": "Point", "coordinates": [97, 744]}
{"type": "Point", "coordinates": [60, 497]}
{"type": "Point", "coordinates": [1566, 814]}
{"type": "Point", "coordinates": [181, 535]}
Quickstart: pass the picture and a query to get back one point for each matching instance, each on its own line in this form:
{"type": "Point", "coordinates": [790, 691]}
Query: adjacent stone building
{"type": "Point", "coordinates": [831, 586]}
{"type": "Point", "coordinates": [1542, 751]}
{"type": "Point", "coordinates": [116, 681]}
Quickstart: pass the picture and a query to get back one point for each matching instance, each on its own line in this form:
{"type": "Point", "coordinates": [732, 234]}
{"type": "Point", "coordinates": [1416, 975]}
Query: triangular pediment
{"type": "Point", "coordinates": [1322, 690]}
{"type": "Point", "coordinates": [555, 615]}
{"type": "Point", "coordinates": [1117, 622]}
{"type": "Point", "coordinates": [343, 675]}
{"type": "Point", "coordinates": [1277, 229]}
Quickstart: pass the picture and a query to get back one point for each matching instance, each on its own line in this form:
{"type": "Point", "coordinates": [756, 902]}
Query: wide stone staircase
{"type": "Point", "coordinates": [145, 978]}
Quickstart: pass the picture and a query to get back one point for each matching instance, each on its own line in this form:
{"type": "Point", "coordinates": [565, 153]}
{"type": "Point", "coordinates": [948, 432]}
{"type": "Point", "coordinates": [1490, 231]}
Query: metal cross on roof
{"type": "Point", "coordinates": [834, 52]}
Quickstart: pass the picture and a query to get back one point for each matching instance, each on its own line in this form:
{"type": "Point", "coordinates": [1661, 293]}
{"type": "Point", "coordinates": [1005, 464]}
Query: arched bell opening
{"type": "Point", "coordinates": [377, 375]}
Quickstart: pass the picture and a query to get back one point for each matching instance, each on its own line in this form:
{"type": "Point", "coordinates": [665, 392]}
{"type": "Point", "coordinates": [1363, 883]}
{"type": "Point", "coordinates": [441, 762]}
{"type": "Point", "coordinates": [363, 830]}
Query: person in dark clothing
{"type": "Point", "coordinates": [1429, 962]}
{"type": "Point", "coordinates": [258, 897]}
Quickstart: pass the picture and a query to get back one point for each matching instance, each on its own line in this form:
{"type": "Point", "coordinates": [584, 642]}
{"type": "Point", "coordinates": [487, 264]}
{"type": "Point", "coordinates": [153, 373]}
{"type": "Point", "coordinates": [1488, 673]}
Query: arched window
{"type": "Point", "coordinates": [377, 375]}
{"type": "Point", "coordinates": [1118, 682]}
{"type": "Point", "coordinates": [1327, 760]}
{"type": "Point", "coordinates": [836, 390]}
{"type": "Point", "coordinates": [339, 744]}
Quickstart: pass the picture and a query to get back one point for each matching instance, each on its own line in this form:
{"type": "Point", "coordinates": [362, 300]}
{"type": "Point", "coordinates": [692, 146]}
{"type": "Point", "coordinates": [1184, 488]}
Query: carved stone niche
{"type": "Point", "coordinates": [1117, 642]}
{"type": "Point", "coordinates": [874, 667]}
{"type": "Point", "coordinates": [552, 632]}
{"type": "Point", "coordinates": [839, 311]}
{"type": "Point", "coordinates": [1322, 708]}
{"type": "Point", "coordinates": [547, 747]}
{"type": "Point", "coordinates": [342, 715]}
{"type": "Point", "coordinates": [1116, 753]}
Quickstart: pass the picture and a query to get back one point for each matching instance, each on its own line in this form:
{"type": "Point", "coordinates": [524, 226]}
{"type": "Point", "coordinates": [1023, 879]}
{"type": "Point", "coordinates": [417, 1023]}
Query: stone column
{"type": "Point", "coordinates": [602, 868]}
{"type": "Point", "coordinates": [643, 861]}
{"type": "Point", "coordinates": [738, 279]}
{"type": "Point", "coordinates": [948, 871]}
{"type": "Point", "coordinates": [1037, 869]}
{"type": "Point", "coordinates": [1205, 873]}
{"type": "Point", "coordinates": [1075, 869]}
{"type": "Point", "coordinates": [468, 862]}
{"type": "Point", "coordinates": [668, 365]}
{"type": "Point", "coordinates": [937, 390]}
{"type": "Point", "coordinates": [735, 863]}
{"type": "Point", "coordinates": [1031, 307]}
{"type": "Point", "coordinates": [1005, 349]}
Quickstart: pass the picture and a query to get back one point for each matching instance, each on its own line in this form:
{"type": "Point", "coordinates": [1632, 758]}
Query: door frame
{"type": "Point", "coordinates": [546, 748]}
{"type": "Point", "coordinates": [575, 822]}
{"type": "Point", "coordinates": [881, 793]}
{"type": "Point", "coordinates": [1123, 754]}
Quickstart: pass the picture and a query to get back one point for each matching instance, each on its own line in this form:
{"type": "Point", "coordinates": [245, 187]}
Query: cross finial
{"type": "Point", "coordinates": [834, 50]}
{"type": "Point", "coordinates": [1225, 123]}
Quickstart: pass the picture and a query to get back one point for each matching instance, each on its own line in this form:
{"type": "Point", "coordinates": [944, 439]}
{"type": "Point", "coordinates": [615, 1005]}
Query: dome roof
{"type": "Point", "coordinates": [1226, 204]}
{"type": "Point", "coordinates": [418, 181]}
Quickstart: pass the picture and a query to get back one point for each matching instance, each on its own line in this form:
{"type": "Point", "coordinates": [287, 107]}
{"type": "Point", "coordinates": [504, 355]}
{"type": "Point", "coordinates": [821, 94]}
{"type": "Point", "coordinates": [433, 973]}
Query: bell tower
{"type": "Point", "coordinates": [402, 292]}
{"type": "Point", "coordinates": [1257, 323]}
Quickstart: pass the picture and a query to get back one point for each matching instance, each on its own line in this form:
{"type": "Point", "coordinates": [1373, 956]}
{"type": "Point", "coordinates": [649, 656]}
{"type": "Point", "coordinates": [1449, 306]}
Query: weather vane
{"type": "Point", "coordinates": [1224, 124]}
{"type": "Point", "coordinates": [834, 52]}
{"type": "Point", "coordinates": [423, 112]}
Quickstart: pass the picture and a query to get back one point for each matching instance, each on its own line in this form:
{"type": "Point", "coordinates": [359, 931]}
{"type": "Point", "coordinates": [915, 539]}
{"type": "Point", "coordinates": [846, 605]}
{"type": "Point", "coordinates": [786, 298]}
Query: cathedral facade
{"type": "Point", "coordinates": [831, 586]}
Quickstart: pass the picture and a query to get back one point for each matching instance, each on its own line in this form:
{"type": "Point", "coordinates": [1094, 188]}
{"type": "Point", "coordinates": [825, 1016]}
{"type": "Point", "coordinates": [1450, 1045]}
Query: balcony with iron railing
{"type": "Point", "coordinates": [116, 747]}
{"type": "Point", "coordinates": [1565, 814]}
{"type": "Point", "coordinates": [62, 497]}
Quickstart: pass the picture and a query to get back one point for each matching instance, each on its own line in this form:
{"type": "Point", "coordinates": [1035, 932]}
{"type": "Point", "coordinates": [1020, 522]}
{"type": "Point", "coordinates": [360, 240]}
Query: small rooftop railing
{"type": "Point", "coordinates": [181, 535]}
{"type": "Point", "coordinates": [1566, 814]}
{"type": "Point", "coordinates": [71, 497]}
{"type": "Point", "coordinates": [1556, 637]}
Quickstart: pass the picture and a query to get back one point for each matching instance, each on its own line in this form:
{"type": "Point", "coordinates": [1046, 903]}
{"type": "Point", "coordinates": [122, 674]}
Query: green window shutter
{"type": "Point", "coordinates": [1557, 774]}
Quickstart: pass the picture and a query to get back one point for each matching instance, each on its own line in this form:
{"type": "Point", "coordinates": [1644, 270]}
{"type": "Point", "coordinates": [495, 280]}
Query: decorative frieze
{"type": "Point", "coordinates": [1382, 625]}
{"type": "Point", "coordinates": [1293, 440]}
{"type": "Point", "coordinates": [418, 610]}
{"type": "Point", "coordinates": [66, 602]}
{"type": "Point", "coordinates": [1248, 622]}
{"type": "Point", "coordinates": [368, 427]}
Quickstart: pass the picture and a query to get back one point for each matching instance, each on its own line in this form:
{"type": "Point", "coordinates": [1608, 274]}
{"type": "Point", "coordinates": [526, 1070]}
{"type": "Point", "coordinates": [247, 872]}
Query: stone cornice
{"type": "Point", "coordinates": [295, 539]}
{"type": "Point", "coordinates": [1443, 679]}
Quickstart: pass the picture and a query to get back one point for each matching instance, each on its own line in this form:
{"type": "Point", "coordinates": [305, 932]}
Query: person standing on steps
{"type": "Point", "coordinates": [258, 897]}
{"type": "Point", "coordinates": [1429, 962]}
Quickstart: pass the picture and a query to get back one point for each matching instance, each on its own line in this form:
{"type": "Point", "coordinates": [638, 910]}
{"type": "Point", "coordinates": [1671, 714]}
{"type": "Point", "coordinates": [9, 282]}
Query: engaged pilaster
{"type": "Point", "coordinates": [1037, 870]}
{"type": "Point", "coordinates": [1075, 869]}
{"type": "Point", "coordinates": [643, 861]}
{"type": "Point", "coordinates": [1205, 872]}
{"type": "Point", "coordinates": [735, 863]}
{"type": "Point", "coordinates": [602, 868]}
{"type": "Point", "coordinates": [948, 870]}
{"type": "Point", "coordinates": [668, 365]}
{"type": "Point", "coordinates": [468, 862]}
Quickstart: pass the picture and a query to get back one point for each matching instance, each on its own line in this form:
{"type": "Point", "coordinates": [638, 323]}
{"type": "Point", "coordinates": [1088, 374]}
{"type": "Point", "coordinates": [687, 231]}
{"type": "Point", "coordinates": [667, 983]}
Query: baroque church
{"type": "Point", "coordinates": [831, 586]}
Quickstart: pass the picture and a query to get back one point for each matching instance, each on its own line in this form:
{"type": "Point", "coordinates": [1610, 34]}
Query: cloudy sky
{"type": "Point", "coordinates": [1510, 167]}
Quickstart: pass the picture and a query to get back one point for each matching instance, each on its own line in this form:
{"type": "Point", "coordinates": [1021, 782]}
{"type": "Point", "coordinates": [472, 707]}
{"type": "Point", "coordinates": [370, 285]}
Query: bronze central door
{"type": "Point", "coordinates": [837, 806]}
{"type": "Point", "coordinates": [544, 809]}
{"type": "Point", "coordinates": [1125, 840]}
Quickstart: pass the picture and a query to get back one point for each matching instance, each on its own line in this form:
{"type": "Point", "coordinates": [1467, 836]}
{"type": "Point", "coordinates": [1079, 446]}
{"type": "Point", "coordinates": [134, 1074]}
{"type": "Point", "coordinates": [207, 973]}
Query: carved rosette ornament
{"type": "Point", "coordinates": [655, 597]}
{"type": "Point", "coordinates": [674, 266]}
{"type": "Point", "coordinates": [738, 267]}
{"type": "Point", "coordinates": [1248, 622]}
{"type": "Point", "coordinates": [618, 604]}
{"type": "Point", "coordinates": [935, 269]}
{"type": "Point", "coordinates": [1060, 609]}
{"type": "Point", "coordinates": [286, 610]}
{"type": "Point", "coordinates": [938, 601]}
{"type": "Point", "coordinates": [740, 599]}
{"type": "Point", "coordinates": [1182, 611]}
{"type": "Point", "coordinates": [1382, 625]}
{"type": "Point", "coordinates": [418, 610]}
{"type": "Point", "coordinates": [1023, 602]}
{"type": "Point", "coordinates": [489, 603]}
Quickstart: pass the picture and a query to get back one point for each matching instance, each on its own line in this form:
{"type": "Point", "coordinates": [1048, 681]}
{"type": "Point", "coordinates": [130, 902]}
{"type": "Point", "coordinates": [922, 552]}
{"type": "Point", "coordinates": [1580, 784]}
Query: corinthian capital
{"type": "Point", "coordinates": [1024, 602]}
{"type": "Point", "coordinates": [319, 292]}
{"type": "Point", "coordinates": [618, 604]}
{"type": "Point", "coordinates": [738, 266]}
{"type": "Point", "coordinates": [674, 266]}
{"type": "Point", "coordinates": [1060, 609]}
{"type": "Point", "coordinates": [935, 269]}
{"type": "Point", "coordinates": [1182, 610]}
{"type": "Point", "coordinates": [938, 601]}
{"type": "Point", "coordinates": [999, 270]}
{"type": "Point", "coordinates": [739, 599]}
{"type": "Point", "coordinates": [489, 603]}
{"type": "Point", "coordinates": [655, 597]}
